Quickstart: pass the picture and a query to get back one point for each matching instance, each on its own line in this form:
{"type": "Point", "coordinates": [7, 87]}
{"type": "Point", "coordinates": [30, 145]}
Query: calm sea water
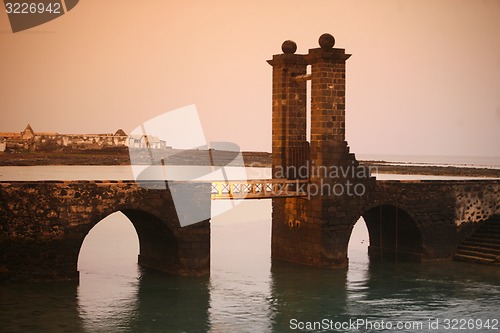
{"type": "Point", "coordinates": [247, 292]}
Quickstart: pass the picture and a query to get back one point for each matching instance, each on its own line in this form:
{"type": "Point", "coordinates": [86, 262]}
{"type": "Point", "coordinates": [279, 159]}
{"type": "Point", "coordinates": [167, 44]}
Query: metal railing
{"type": "Point", "coordinates": [258, 189]}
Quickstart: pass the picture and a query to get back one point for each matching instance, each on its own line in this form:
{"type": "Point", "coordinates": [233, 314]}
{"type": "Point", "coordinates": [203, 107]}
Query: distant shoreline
{"type": "Point", "coordinates": [120, 156]}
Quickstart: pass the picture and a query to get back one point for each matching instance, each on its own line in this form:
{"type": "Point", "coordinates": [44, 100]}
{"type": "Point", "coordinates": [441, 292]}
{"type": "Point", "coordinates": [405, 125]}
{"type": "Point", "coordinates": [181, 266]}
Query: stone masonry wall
{"type": "Point", "coordinates": [289, 109]}
{"type": "Point", "coordinates": [43, 224]}
{"type": "Point", "coordinates": [438, 209]}
{"type": "Point", "coordinates": [77, 141]}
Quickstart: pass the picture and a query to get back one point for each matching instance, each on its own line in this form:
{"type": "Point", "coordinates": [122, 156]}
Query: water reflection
{"type": "Point", "coordinates": [240, 269]}
{"type": "Point", "coordinates": [358, 265]}
{"type": "Point", "coordinates": [115, 295]}
{"type": "Point", "coordinates": [306, 294]}
{"type": "Point", "coordinates": [171, 304]}
{"type": "Point", "coordinates": [39, 307]}
{"type": "Point", "coordinates": [408, 292]}
{"type": "Point", "coordinates": [109, 276]}
{"type": "Point", "coordinates": [432, 290]}
{"type": "Point", "coordinates": [153, 302]}
{"type": "Point", "coordinates": [107, 303]}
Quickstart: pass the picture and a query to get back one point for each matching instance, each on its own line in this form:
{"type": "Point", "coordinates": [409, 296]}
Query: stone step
{"type": "Point", "coordinates": [481, 243]}
{"type": "Point", "coordinates": [477, 253]}
{"type": "Point", "coordinates": [483, 246]}
{"type": "Point", "coordinates": [479, 249]}
{"type": "Point", "coordinates": [490, 225]}
{"type": "Point", "coordinates": [474, 259]}
{"type": "Point", "coordinates": [488, 239]}
{"type": "Point", "coordinates": [488, 229]}
{"type": "Point", "coordinates": [486, 234]}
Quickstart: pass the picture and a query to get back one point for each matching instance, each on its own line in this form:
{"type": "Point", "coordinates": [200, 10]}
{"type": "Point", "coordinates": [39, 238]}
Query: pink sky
{"type": "Point", "coordinates": [424, 77]}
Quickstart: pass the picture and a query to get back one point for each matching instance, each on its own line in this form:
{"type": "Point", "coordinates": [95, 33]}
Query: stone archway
{"type": "Point", "coordinates": [394, 233]}
{"type": "Point", "coordinates": [158, 244]}
{"type": "Point", "coordinates": [158, 247]}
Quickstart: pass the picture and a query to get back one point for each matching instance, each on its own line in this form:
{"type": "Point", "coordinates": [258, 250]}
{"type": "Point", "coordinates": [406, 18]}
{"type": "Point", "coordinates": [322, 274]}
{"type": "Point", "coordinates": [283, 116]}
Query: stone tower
{"type": "Point", "coordinates": [314, 230]}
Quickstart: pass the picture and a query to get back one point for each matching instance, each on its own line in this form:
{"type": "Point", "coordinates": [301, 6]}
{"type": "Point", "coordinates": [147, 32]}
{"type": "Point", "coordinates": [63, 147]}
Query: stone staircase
{"type": "Point", "coordinates": [483, 246]}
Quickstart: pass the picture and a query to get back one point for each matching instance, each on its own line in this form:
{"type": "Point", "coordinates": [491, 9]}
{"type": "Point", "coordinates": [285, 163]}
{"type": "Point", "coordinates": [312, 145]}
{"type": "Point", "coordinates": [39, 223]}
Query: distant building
{"type": "Point", "coordinates": [14, 140]}
{"type": "Point", "coordinates": [28, 133]}
{"type": "Point", "coordinates": [146, 141]}
{"type": "Point", "coordinates": [28, 139]}
{"type": "Point", "coordinates": [120, 132]}
{"type": "Point", "coordinates": [3, 144]}
{"type": "Point", "coordinates": [10, 135]}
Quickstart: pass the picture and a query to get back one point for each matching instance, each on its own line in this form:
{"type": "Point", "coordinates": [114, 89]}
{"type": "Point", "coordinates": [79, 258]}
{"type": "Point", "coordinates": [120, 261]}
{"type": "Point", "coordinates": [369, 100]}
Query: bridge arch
{"type": "Point", "coordinates": [394, 232]}
{"type": "Point", "coordinates": [158, 238]}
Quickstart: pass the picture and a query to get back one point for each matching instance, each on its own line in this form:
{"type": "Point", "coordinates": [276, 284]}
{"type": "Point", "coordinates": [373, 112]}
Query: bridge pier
{"type": "Point", "coordinates": [314, 230]}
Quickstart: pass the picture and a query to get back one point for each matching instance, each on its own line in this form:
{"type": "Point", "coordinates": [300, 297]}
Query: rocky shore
{"type": "Point", "coordinates": [122, 156]}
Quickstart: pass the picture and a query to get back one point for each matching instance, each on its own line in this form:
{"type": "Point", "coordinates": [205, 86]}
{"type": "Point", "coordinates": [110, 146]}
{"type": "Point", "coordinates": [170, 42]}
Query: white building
{"type": "Point", "coordinates": [145, 141]}
{"type": "Point", "coordinates": [3, 144]}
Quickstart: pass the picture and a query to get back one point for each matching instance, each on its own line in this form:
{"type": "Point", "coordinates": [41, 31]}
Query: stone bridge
{"type": "Point", "coordinates": [406, 220]}
{"type": "Point", "coordinates": [43, 224]}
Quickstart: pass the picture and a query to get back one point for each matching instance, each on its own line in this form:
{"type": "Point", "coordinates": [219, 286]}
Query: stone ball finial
{"type": "Point", "coordinates": [326, 41]}
{"type": "Point", "coordinates": [289, 47]}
